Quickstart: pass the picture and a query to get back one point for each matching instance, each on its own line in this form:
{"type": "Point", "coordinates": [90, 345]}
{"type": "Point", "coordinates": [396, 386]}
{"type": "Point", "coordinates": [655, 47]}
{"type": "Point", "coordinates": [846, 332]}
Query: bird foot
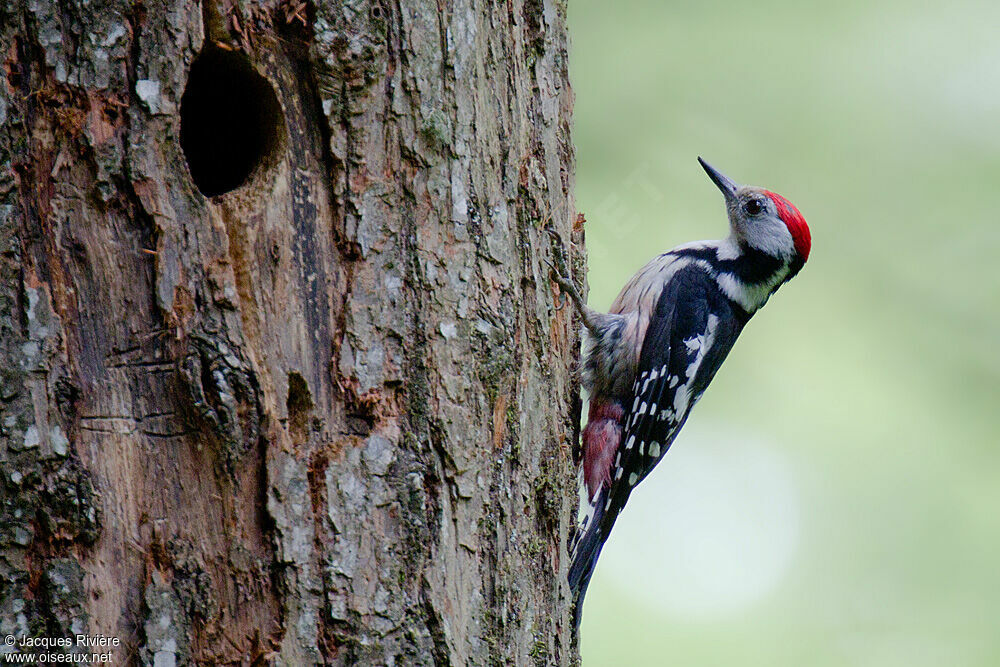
{"type": "Point", "coordinates": [564, 285]}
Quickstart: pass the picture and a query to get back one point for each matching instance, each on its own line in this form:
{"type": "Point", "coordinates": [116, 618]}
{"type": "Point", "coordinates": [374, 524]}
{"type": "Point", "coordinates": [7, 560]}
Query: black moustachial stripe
{"type": "Point", "coordinates": [752, 267]}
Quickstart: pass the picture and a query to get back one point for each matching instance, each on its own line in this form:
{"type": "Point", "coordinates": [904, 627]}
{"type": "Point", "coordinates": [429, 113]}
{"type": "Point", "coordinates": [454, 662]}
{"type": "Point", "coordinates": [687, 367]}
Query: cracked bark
{"type": "Point", "coordinates": [327, 416]}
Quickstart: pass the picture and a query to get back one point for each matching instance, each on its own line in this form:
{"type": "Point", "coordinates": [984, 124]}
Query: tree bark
{"type": "Point", "coordinates": [326, 414]}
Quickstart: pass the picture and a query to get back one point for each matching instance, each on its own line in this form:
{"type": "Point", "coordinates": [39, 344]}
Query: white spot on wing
{"type": "Point", "coordinates": [654, 449]}
{"type": "Point", "coordinates": [682, 396]}
{"type": "Point", "coordinates": [632, 479]}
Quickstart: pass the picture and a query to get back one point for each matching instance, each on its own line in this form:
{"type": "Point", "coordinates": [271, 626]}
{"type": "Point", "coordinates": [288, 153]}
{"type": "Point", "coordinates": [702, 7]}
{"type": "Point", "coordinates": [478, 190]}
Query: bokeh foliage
{"type": "Point", "coordinates": [872, 381]}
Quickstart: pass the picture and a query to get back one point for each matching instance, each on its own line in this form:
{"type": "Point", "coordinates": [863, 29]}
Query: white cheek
{"type": "Point", "coordinates": [770, 236]}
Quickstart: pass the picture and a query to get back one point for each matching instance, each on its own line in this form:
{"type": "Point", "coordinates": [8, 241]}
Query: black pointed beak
{"type": "Point", "coordinates": [722, 181]}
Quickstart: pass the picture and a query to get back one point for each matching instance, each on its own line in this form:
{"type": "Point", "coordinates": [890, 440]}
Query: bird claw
{"type": "Point", "coordinates": [559, 280]}
{"type": "Point", "coordinates": [567, 291]}
{"type": "Point", "coordinates": [561, 301]}
{"type": "Point", "coordinates": [566, 287]}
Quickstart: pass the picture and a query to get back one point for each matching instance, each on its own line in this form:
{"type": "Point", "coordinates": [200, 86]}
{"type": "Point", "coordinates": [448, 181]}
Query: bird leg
{"type": "Point", "coordinates": [590, 318]}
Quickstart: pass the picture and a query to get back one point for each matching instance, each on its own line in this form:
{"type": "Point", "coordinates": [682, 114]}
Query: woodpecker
{"type": "Point", "coordinates": [648, 361]}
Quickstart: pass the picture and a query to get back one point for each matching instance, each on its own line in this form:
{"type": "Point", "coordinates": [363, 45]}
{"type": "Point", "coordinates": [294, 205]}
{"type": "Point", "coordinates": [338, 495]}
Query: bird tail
{"type": "Point", "coordinates": [586, 548]}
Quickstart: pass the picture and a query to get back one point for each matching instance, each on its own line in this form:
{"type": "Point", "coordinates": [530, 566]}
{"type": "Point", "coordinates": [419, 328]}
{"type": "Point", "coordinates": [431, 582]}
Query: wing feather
{"type": "Point", "coordinates": [691, 331]}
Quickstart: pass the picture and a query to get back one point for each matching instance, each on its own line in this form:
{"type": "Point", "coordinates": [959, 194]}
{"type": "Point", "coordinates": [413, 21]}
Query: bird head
{"type": "Point", "coordinates": [764, 220]}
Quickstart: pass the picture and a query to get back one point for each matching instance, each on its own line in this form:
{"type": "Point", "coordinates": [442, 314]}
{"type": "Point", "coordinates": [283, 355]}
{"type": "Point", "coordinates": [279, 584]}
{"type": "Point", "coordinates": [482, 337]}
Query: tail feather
{"type": "Point", "coordinates": [586, 550]}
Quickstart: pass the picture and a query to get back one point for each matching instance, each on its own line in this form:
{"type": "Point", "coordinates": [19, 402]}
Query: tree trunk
{"type": "Point", "coordinates": [283, 379]}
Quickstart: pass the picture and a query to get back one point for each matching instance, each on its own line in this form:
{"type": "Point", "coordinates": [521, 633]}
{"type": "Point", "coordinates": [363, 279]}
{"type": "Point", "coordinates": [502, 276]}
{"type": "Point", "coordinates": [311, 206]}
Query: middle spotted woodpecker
{"type": "Point", "coordinates": [648, 361]}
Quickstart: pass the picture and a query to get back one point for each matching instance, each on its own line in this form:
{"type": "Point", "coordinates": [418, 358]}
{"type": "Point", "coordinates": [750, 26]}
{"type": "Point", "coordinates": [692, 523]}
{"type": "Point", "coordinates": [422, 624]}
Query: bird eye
{"type": "Point", "coordinates": [753, 206]}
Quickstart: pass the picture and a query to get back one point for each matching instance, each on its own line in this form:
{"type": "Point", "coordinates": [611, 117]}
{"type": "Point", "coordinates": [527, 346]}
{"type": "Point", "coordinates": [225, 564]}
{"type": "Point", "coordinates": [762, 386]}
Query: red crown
{"type": "Point", "coordinates": [795, 222]}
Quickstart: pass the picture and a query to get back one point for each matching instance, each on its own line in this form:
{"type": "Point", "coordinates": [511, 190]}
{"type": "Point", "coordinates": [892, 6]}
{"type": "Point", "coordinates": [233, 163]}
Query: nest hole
{"type": "Point", "coordinates": [230, 121]}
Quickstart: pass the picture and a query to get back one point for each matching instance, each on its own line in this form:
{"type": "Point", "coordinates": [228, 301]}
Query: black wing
{"type": "Point", "coordinates": [690, 333]}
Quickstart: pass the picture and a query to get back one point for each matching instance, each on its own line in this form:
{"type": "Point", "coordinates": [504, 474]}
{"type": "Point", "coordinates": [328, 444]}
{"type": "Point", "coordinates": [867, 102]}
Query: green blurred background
{"type": "Point", "coordinates": [835, 497]}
